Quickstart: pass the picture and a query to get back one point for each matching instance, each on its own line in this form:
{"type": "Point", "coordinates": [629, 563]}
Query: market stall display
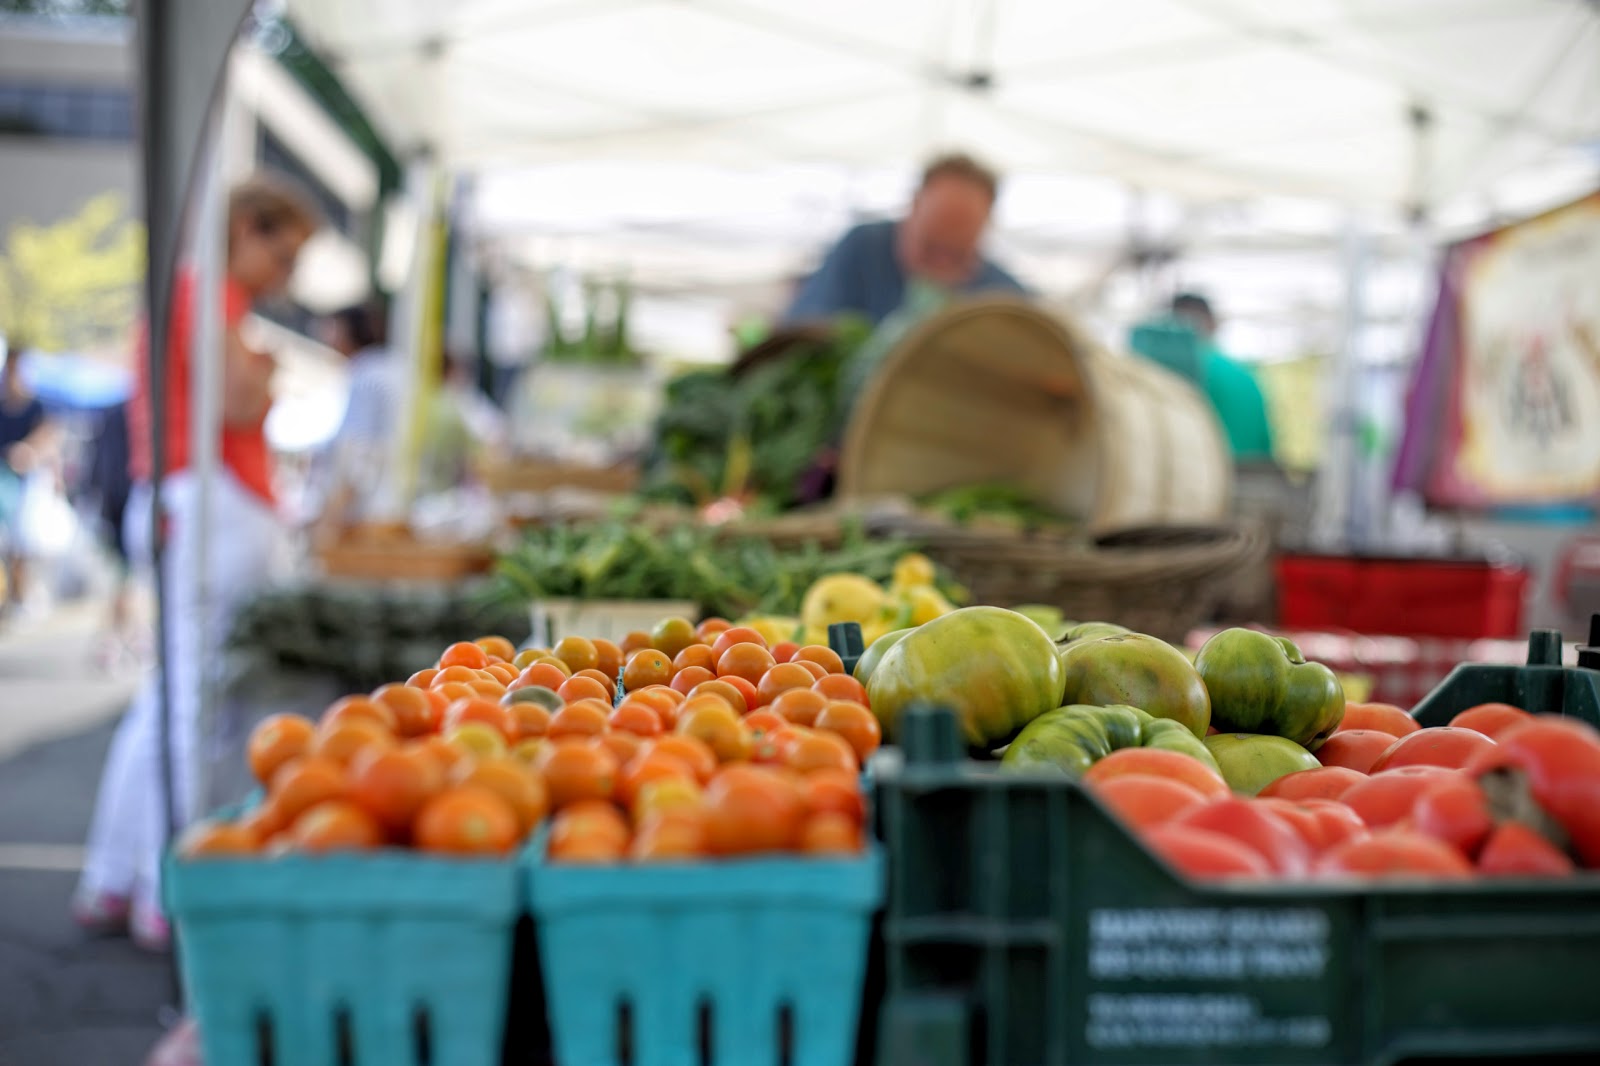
{"type": "Point", "coordinates": [1082, 867]}
{"type": "Point", "coordinates": [1142, 906]}
{"type": "Point", "coordinates": [363, 906]}
{"type": "Point", "coordinates": [699, 783]}
{"type": "Point", "coordinates": [635, 569]}
{"type": "Point", "coordinates": [1032, 464]}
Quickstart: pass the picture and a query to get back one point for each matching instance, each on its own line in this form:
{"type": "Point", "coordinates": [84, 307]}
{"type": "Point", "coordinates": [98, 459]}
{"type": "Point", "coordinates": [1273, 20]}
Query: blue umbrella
{"type": "Point", "coordinates": [76, 381]}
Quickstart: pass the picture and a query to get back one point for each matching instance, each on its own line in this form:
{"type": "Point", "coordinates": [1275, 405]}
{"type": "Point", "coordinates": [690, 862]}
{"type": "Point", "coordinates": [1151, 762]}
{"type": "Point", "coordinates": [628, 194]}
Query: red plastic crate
{"type": "Point", "coordinates": [1314, 591]}
{"type": "Point", "coordinates": [1466, 600]}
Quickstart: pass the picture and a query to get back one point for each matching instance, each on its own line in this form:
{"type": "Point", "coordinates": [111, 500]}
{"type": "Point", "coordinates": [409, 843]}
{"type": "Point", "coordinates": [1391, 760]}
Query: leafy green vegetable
{"type": "Point", "coordinates": [726, 575]}
{"type": "Point", "coordinates": [605, 338]}
{"type": "Point", "coordinates": [786, 410]}
{"type": "Point", "coordinates": [1003, 503]}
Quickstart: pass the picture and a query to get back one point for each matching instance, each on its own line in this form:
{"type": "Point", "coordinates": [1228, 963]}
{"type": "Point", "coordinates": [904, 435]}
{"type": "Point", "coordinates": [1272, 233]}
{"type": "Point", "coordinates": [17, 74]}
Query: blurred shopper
{"type": "Point", "coordinates": [27, 436]}
{"type": "Point", "coordinates": [1185, 343]}
{"type": "Point", "coordinates": [511, 338]}
{"type": "Point", "coordinates": [268, 222]}
{"type": "Point", "coordinates": [937, 243]}
{"type": "Point", "coordinates": [350, 469]}
{"type": "Point", "coordinates": [109, 485]}
{"type": "Point", "coordinates": [179, 1047]}
{"type": "Point", "coordinates": [372, 410]}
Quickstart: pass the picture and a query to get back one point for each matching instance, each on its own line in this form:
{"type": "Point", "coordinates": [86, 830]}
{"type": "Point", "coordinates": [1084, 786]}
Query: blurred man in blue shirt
{"type": "Point", "coordinates": [937, 242]}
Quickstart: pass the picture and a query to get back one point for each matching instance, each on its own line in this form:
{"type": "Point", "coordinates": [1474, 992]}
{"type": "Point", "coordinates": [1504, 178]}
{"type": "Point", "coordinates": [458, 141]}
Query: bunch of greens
{"type": "Point", "coordinates": [756, 434]}
{"type": "Point", "coordinates": [726, 575]}
{"type": "Point", "coordinates": [996, 504]}
{"type": "Point", "coordinates": [604, 341]}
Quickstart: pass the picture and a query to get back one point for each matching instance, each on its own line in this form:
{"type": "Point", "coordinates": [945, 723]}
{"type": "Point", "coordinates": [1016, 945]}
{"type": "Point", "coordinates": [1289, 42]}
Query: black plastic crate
{"type": "Point", "coordinates": [1025, 927]}
{"type": "Point", "coordinates": [1543, 686]}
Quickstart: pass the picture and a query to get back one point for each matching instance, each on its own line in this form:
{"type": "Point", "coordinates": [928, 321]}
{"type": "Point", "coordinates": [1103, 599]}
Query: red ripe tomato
{"type": "Point", "coordinates": [1354, 749]}
{"type": "Point", "coordinates": [1204, 855]}
{"type": "Point", "coordinates": [1301, 820]}
{"type": "Point", "coordinates": [1384, 717]}
{"type": "Point", "coordinates": [1394, 853]}
{"type": "Point", "coordinates": [1144, 800]}
{"type": "Point", "coordinates": [1383, 799]}
{"type": "Point", "coordinates": [1491, 719]}
{"type": "Point", "coordinates": [1256, 826]}
{"type": "Point", "coordinates": [1515, 850]}
{"type": "Point", "coordinates": [1561, 761]}
{"type": "Point", "coordinates": [1329, 782]}
{"type": "Point", "coordinates": [1339, 823]}
{"type": "Point", "coordinates": [1158, 762]}
{"type": "Point", "coordinates": [1455, 811]}
{"type": "Point", "coordinates": [1444, 745]}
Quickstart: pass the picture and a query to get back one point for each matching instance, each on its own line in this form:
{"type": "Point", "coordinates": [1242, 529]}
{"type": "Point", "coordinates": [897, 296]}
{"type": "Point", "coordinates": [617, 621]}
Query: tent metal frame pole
{"type": "Point", "coordinates": [207, 355]}
{"type": "Point", "coordinates": [182, 48]}
{"type": "Point", "coordinates": [1340, 523]}
{"type": "Point", "coordinates": [406, 340]}
{"type": "Point", "coordinates": [162, 197]}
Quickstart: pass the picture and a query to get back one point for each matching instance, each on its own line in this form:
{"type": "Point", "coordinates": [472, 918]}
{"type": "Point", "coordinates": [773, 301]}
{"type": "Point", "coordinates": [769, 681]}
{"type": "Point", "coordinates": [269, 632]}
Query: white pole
{"type": "Point", "coordinates": [206, 353]}
{"type": "Point", "coordinates": [1336, 518]}
{"type": "Point", "coordinates": [407, 315]}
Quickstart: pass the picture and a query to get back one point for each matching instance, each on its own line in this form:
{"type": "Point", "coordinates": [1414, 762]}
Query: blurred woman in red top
{"type": "Point", "coordinates": [268, 222]}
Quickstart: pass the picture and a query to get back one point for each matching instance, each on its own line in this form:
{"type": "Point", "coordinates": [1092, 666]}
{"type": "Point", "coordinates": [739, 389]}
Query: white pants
{"type": "Point", "coordinates": [244, 551]}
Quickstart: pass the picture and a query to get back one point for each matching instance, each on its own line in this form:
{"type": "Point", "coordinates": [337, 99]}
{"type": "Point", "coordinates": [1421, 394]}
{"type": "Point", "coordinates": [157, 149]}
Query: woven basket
{"type": "Point", "coordinates": [404, 560]}
{"type": "Point", "coordinates": [1164, 581]}
{"type": "Point", "coordinates": [997, 391]}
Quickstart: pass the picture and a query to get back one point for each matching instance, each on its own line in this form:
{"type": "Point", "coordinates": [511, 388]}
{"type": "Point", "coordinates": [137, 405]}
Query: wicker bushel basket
{"type": "Point", "coordinates": [996, 391]}
{"type": "Point", "coordinates": [1164, 581]}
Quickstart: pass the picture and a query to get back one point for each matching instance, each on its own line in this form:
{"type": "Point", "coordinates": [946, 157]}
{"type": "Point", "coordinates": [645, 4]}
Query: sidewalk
{"type": "Point", "coordinates": [64, 1000]}
{"type": "Point", "coordinates": [48, 680]}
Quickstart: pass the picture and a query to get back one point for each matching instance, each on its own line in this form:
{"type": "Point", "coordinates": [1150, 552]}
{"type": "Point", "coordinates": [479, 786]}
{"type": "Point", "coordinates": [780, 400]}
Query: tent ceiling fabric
{"type": "Point", "coordinates": [1202, 96]}
{"type": "Point", "coordinates": [764, 125]}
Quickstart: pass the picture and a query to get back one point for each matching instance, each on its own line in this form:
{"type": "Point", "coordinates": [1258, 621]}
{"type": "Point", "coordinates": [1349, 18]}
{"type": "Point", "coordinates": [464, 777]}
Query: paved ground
{"type": "Point", "coordinates": [64, 1000]}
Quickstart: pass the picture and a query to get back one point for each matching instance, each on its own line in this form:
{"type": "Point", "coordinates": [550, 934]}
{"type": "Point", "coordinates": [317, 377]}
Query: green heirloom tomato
{"type": "Point", "coordinates": [994, 668]}
{"type": "Point", "coordinates": [1080, 631]}
{"type": "Point", "coordinates": [876, 651]}
{"type": "Point", "coordinates": [1262, 684]}
{"type": "Point", "coordinates": [1072, 739]}
{"type": "Point", "coordinates": [1135, 670]}
{"type": "Point", "coordinates": [1250, 762]}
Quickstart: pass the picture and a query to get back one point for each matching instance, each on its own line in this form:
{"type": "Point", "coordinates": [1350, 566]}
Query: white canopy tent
{"type": "Point", "coordinates": [712, 147]}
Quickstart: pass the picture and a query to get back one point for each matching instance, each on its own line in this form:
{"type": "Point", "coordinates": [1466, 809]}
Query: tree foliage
{"type": "Point", "coordinates": [75, 284]}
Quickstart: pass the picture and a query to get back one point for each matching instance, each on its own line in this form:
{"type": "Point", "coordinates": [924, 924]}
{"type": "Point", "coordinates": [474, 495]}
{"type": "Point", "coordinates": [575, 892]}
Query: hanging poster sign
{"type": "Point", "coordinates": [1505, 408]}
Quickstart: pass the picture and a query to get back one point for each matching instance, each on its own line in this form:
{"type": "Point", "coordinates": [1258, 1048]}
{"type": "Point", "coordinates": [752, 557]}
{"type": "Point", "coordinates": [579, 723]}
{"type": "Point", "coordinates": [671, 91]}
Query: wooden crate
{"type": "Point", "coordinates": [541, 475]}
{"type": "Point", "coordinates": [404, 560]}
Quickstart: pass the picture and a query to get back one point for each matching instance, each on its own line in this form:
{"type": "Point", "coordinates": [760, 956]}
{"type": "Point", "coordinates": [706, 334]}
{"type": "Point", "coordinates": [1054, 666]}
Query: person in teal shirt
{"type": "Point", "coordinates": [1185, 344]}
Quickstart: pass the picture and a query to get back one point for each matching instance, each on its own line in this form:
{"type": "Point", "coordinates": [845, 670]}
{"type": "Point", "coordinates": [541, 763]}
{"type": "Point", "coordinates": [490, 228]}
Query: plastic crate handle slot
{"type": "Point", "coordinates": [1589, 654]}
{"type": "Point", "coordinates": [845, 639]}
{"type": "Point", "coordinates": [1544, 648]}
{"type": "Point", "coordinates": [929, 737]}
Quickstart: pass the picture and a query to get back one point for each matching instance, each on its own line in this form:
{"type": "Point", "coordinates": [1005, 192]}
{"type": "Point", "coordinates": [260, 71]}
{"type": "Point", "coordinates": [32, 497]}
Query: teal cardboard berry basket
{"type": "Point", "coordinates": [385, 958]}
{"type": "Point", "coordinates": [720, 962]}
